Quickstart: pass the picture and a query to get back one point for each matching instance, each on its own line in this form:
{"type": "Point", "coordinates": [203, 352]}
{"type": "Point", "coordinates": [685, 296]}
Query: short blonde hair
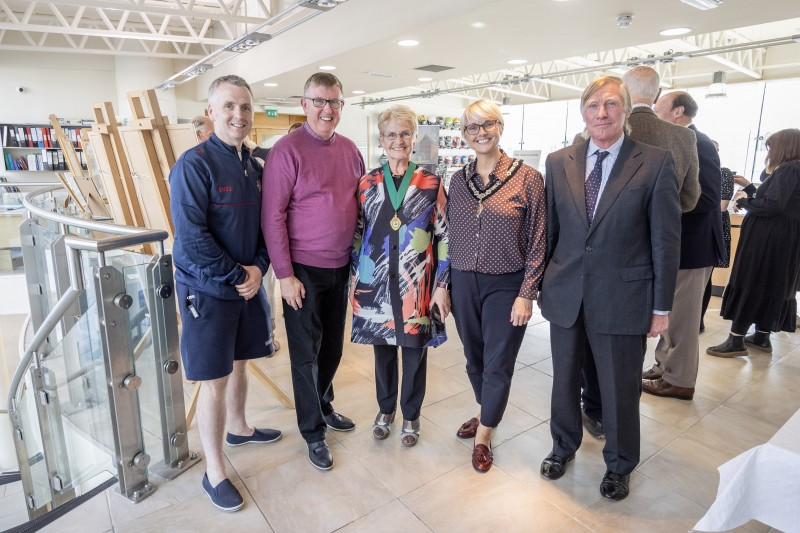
{"type": "Point", "coordinates": [479, 112]}
{"type": "Point", "coordinates": [600, 83]}
{"type": "Point", "coordinates": [399, 113]}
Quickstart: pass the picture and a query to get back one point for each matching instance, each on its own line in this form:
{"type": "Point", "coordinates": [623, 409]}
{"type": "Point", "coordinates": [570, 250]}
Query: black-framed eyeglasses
{"type": "Point", "coordinates": [392, 136]}
{"type": "Point", "coordinates": [487, 126]}
{"type": "Point", "coordinates": [320, 102]}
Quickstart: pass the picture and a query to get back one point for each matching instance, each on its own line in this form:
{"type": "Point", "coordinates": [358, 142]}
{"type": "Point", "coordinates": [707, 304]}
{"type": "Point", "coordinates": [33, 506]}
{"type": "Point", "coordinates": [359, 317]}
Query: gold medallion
{"type": "Point", "coordinates": [395, 222]}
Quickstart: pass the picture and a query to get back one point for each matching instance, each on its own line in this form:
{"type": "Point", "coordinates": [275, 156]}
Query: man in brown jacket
{"type": "Point", "coordinates": [644, 86]}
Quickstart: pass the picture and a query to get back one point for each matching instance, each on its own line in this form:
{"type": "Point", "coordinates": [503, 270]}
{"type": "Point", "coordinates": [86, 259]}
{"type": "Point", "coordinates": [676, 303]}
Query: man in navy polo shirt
{"type": "Point", "coordinates": [220, 257]}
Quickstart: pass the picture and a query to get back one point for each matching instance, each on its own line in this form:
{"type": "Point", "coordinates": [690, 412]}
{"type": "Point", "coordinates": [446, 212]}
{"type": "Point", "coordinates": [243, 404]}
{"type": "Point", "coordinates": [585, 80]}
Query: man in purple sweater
{"type": "Point", "coordinates": [308, 220]}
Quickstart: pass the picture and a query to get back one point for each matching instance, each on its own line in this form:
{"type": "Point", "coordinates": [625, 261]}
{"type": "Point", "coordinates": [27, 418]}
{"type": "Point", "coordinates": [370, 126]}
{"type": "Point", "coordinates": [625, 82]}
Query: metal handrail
{"type": "Point", "coordinates": [125, 236]}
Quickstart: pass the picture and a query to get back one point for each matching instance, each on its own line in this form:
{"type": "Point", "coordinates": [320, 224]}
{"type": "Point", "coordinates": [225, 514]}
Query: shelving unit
{"type": "Point", "coordinates": [31, 150]}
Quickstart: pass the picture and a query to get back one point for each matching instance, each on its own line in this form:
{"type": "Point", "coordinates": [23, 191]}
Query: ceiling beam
{"type": "Point", "coordinates": [182, 9]}
{"type": "Point", "coordinates": [115, 34]}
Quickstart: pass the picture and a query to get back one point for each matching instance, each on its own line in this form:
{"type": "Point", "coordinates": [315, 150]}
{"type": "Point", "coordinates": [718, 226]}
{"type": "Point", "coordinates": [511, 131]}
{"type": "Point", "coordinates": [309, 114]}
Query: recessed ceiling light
{"type": "Point", "coordinates": [424, 79]}
{"type": "Point", "coordinates": [478, 25]}
{"type": "Point", "coordinates": [517, 61]}
{"type": "Point", "coordinates": [270, 84]}
{"type": "Point", "coordinates": [327, 67]}
{"type": "Point", "coordinates": [358, 92]}
{"type": "Point", "coordinates": [408, 42]}
{"type": "Point", "coordinates": [675, 31]}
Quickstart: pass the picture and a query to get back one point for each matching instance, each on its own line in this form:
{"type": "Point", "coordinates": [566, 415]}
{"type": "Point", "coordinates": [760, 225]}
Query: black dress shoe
{"type": "Point", "coordinates": [594, 427]}
{"type": "Point", "coordinates": [319, 455]}
{"type": "Point", "coordinates": [614, 486]}
{"type": "Point", "coordinates": [339, 422]}
{"type": "Point", "coordinates": [553, 466]}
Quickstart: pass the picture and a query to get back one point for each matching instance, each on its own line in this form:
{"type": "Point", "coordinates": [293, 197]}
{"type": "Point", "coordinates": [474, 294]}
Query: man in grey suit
{"type": "Point", "coordinates": [643, 83]}
{"type": "Point", "coordinates": [613, 244]}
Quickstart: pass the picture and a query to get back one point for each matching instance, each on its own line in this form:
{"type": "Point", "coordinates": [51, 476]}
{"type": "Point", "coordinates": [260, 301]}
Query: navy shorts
{"type": "Point", "coordinates": [221, 331]}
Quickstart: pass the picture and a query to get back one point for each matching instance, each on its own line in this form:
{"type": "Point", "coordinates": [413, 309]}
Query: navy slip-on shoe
{"type": "Point", "coordinates": [224, 496]}
{"type": "Point", "coordinates": [259, 436]}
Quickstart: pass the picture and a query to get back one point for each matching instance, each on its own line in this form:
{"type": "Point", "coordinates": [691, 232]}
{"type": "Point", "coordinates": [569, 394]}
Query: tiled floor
{"type": "Point", "coordinates": [381, 486]}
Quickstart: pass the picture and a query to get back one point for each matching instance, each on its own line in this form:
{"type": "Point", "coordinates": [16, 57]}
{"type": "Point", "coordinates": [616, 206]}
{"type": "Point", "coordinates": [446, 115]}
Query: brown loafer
{"type": "Point", "coordinates": [659, 387]}
{"type": "Point", "coordinates": [482, 458]}
{"type": "Point", "coordinates": [468, 429]}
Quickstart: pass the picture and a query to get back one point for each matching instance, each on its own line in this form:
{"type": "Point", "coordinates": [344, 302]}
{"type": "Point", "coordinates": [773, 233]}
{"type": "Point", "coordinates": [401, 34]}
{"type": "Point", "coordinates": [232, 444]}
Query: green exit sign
{"type": "Point", "coordinates": [271, 113]}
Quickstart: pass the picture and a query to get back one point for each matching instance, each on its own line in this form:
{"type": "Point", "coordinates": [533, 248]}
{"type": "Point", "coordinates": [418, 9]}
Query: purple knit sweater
{"type": "Point", "coordinates": [309, 206]}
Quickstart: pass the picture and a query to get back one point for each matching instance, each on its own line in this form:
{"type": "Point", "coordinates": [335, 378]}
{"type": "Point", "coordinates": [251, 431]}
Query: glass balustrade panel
{"type": "Point", "coordinates": [80, 424]}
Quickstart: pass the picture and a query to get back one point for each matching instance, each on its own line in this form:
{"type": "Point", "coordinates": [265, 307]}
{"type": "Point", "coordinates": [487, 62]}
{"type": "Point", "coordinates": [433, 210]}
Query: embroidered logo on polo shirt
{"type": "Point", "coordinates": [225, 188]}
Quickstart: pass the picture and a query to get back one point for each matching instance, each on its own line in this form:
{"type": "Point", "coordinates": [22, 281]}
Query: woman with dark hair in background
{"type": "Point", "coordinates": [765, 271]}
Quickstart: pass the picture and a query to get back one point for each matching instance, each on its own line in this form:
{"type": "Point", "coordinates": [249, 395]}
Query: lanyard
{"type": "Point", "coordinates": [396, 195]}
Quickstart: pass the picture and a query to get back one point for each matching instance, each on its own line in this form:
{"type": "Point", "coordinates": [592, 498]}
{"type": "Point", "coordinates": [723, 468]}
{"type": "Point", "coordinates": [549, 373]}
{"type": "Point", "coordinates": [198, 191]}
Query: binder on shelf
{"type": "Point", "coordinates": [61, 163]}
{"type": "Point", "coordinates": [12, 137]}
{"type": "Point", "coordinates": [21, 136]}
{"type": "Point", "coordinates": [5, 135]}
{"type": "Point", "coordinates": [28, 137]}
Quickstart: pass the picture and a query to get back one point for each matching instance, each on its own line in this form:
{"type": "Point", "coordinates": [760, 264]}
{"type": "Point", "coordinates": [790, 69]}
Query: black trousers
{"type": "Point", "coordinates": [316, 338]}
{"type": "Point", "coordinates": [482, 311]}
{"type": "Point", "coordinates": [412, 389]}
{"type": "Point", "coordinates": [618, 363]}
{"type": "Point", "coordinates": [741, 328]}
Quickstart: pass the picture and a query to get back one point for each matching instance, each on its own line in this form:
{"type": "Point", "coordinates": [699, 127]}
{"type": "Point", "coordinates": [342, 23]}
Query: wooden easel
{"type": "Point", "coordinates": [150, 157]}
{"type": "Point", "coordinates": [113, 166]}
{"type": "Point", "coordinates": [84, 189]}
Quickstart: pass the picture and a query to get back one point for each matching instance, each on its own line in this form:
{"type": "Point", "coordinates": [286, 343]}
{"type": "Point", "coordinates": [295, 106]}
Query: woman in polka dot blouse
{"type": "Point", "coordinates": [496, 215]}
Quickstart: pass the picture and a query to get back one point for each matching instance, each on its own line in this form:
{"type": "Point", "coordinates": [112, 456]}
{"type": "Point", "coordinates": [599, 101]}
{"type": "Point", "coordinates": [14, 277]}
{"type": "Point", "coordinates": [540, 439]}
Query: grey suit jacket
{"type": "Point", "coordinates": [647, 128]}
{"type": "Point", "coordinates": [624, 266]}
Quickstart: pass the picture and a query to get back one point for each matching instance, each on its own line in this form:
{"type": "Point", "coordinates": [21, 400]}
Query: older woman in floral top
{"type": "Point", "coordinates": [400, 271]}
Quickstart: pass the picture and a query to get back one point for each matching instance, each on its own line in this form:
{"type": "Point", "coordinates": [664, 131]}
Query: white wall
{"type": "Point", "coordinates": [63, 84]}
{"type": "Point", "coordinates": [67, 85]}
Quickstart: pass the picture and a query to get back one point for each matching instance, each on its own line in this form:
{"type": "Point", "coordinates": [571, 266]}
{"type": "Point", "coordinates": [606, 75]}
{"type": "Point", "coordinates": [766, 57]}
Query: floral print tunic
{"type": "Point", "coordinates": [397, 271]}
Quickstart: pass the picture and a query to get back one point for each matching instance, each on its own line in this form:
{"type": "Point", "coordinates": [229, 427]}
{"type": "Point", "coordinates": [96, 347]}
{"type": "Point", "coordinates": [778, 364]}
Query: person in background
{"type": "Point", "coordinates": [728, 178]}
{"type": "Point", "coordinates": [309, 220]}
{"type": "Point", "coordinates": [764, 277]}
{"type": "Point", "coordinates": [674, 373]}
{"type": "Point", "coordinates": [294, 126]}
{"type": "Point", "coordinates": [399, 271]}
{"type": "Point", "coordinates": [613, 241]}
{"type": "Point", "coordinates": [496, 217]}
{"type": "Point", "coordinates": [219, 254]}
{"type": "Point", "coordinates": [203, 127]}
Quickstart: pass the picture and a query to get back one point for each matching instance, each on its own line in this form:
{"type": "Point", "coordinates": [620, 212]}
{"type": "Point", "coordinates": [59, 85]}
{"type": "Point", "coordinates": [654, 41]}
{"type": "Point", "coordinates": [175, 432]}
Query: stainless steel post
{"type": "Point", "coordinates": [130, 456]}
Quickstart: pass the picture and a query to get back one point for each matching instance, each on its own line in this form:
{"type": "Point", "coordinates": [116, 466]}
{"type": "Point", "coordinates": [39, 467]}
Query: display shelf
{"type": "Point", "coordinates": [33, 148]}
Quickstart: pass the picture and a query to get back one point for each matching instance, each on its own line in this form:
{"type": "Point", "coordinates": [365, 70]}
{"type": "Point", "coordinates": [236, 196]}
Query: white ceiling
{"type": "Point", "coordinates": [358, 37]}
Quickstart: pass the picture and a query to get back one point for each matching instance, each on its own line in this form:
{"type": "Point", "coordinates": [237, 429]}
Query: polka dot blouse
{"type": "Point", "coordinates": [505, 231]}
